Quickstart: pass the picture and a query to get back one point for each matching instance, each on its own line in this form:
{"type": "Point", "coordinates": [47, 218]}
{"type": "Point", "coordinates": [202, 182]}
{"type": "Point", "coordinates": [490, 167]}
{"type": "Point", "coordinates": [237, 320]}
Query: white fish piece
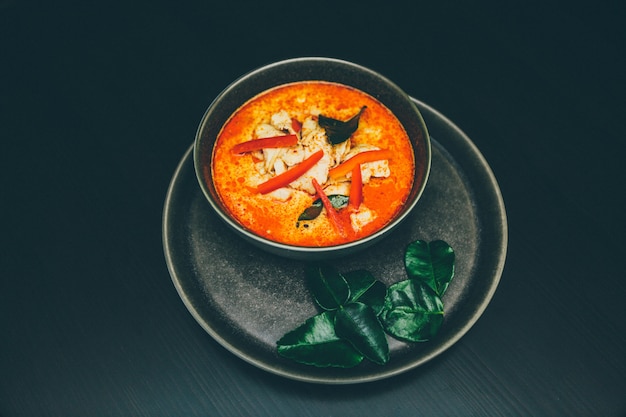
{"type": "Point", "coordinates": [281, 194]}
{"type": "Point", "coordinates": [377, 169]}
{"type": "Point", "coordinates": [282, 121]}
{"type": "Point", "coordinates": [342, 188]}
{"type": "Point", "coordinates": [265, 130]}
{"type": "Point", "coordinates": [340, 151]}
{"type": "Point", "coordinates": [313, 136]}
{"type": "Point", "coordinates": [293, 155]}
{"type": "Point", "coordinates": [319, 171]}
{"type": "Point", "coordinates": [361, 217]}
{"type": "Point", "coordinates": [314, 139]}
{"type": "Point", "coordinates": [260, 167]}
{"type": "Point", "coordinates": [279, 166]}
{"type": "Point", "coordinates": [270, 155]}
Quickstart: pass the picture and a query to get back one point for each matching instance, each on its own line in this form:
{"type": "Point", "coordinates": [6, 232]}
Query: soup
{"type": "Point", "coordinates": [279, 150]}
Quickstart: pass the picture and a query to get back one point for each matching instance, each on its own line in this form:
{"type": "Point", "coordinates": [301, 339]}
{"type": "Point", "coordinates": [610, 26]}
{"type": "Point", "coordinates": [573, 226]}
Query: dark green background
{"type": "Point", "coordinates": [99, 101]}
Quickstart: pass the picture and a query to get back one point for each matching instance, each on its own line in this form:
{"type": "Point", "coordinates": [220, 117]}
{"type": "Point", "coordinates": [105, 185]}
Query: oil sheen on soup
{"type": "Point", "coordinates": [298, 120]}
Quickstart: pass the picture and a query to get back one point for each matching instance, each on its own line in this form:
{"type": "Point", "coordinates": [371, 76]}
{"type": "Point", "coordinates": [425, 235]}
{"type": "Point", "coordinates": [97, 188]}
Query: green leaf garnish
{"type": "Point", "coordinates": [360, 311]}
{"type": "Point", "coordinates": [338, 201]}
{"type": "Point", "coordinates": [413, 311]}
{"type": "Point", "coordinates": [366, 289]}
{"type": "Point", "coordinates": [337, 130]}
{"type": "Point", "coordinates": [329, 287]}
{"type": "Point", "coordinates": [315, 343]}
{"type": "Point", "coordinates": [431, 263]}
{"type": "Point", "coordinates": [357, 323]}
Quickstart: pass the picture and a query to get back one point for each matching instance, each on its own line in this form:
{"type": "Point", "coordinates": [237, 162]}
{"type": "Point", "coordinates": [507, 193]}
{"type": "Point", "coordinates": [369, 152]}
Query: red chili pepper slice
{"type": "Point", "coordinates": [290, 175]}
{"type": "Point", "coordinates": [356, 188]}
{"type": "Point", "coordinates": [330, 210]}
{"type": "Point", "coordinates": [296, 125]}
{"type": "Point", "coordinates": [282, 141]}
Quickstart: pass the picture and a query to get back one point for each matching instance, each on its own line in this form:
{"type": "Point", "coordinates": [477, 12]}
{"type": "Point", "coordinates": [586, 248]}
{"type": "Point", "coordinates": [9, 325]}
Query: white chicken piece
{"type": "Point", "coordinates": [265, 130]}
{"type": "Point", "coordinates": [314, 139]}
{"type": "Point", "coordinates": [319, 171]}
{"type": "Point", "coordinates": [342, 188]}
{"type": "Point", "coordinates": [312, 134]}
{"type": "Point", "coordinates": [279, 166]}
{"type": "Point", "coordinates": [270, 155]}
{"type": "Point", "coordinates": [293, 155]}
{"type": "Point", "coordinates": [282, 121]}
{"type": "Point", "coordinates": [340, 151]}
{"type": "Point", "coordinates": [377, 169]}
{"type": "Point", "coordinates": [260, 167]}
{"type": "Point", "coordinates": [281, 194]}
{"type": "Point", "coordinates": [362, 217]}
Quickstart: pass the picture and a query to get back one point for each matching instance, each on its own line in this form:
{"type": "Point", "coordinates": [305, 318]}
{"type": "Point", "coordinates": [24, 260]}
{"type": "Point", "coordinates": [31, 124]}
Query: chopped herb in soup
{"type": "Point", "coordinates": [313, 164]}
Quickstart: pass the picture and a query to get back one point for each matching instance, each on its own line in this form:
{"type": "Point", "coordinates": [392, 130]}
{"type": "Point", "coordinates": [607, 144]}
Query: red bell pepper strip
{"type": "Point", "coordinates": [356, 188]}
{"type": "Point", "coordinates": [273, 142]}
{"type": "Point", "coordinates": [360, 158]}
{"type": "Point", "coordinates": [296, 125]}
{"type": "Point", "coordinates": [290, 175]}
{"type": "Point", "coordinates": [330, 210]}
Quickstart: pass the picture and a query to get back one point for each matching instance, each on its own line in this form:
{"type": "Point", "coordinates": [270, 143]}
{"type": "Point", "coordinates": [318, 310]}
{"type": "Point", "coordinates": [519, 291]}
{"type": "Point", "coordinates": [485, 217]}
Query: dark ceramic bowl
{"type": "Point", "coordinates": [310, 69]}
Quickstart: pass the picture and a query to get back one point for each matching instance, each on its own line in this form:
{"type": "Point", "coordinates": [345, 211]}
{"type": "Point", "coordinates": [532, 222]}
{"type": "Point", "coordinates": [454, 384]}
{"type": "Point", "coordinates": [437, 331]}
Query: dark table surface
{"type": "Point", "coordinates": [100, 100]}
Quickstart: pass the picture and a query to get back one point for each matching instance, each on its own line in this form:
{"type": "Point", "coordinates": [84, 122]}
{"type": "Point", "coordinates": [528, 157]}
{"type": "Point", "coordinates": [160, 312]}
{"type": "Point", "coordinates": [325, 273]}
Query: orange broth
{"type": "Point", "coordinates": [278, 221]}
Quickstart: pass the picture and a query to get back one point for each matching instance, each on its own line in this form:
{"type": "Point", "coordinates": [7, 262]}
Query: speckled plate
{"type": "Point", "coordinates": [247, 299]}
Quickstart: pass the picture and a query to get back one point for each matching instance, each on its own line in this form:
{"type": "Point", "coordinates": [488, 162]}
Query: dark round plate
{"type": "Point", "coordinates": [247, 299]}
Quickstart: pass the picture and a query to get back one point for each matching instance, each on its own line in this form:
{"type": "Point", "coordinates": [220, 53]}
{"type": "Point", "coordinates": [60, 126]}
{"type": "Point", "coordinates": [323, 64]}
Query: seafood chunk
{"type": "Point", "coordinates": [362, 217]}
{"type": "Point", "coordinates": [281, 194]}
{"type": "Point", "coordinates": [342, 188]}
{"type": "Point", "coordinates": [340, 151]}
{"type": "Point", "coordinates": [265, 130]}
{"type": "Point", "coordinates": [319, 171]}
{"type": "Point", "coordinates": [314, 139]}
{"type": "Point", "coordinates": [377, 169]}
{"type": "Point", "coordinates": [293, 155]}
{"type": "Point", "coordinates": [270, 155]}
{"type": "Point", "coordinates": [279, 166]}
{"type": "Point", "coordinates": [313, 136]}
{"type": "Point", "coordinates": [282, 121]}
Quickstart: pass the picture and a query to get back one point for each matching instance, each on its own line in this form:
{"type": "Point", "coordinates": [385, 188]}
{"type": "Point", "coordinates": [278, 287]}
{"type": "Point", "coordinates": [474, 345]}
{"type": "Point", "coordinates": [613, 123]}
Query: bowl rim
{"type": "Point", "coordinates": [297, 251]}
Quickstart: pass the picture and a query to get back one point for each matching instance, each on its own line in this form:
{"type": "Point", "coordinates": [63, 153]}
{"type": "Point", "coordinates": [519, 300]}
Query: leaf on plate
{"type": "Point", "coordinates": [339, 131]}
{"type": "Point", "coordinates": [338, 201]}
{"type": "Point", "coordinates": [316, 343]}
{"type": "Point", "coordinates": [328, 286]}
{"type": "Point", "coordinates": [366, 289]}
{"type": "Point", "coordinates": [413, 311]}
{"type": "Point", "coordinates": [431, 263]}
{"type": "Point", "coordinates": [357, 323]}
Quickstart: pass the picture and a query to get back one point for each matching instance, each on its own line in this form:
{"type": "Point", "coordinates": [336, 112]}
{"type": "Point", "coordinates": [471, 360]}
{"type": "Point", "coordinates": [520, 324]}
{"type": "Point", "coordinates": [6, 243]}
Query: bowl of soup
{"type": "Point", "coordinates": [312, 158]}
